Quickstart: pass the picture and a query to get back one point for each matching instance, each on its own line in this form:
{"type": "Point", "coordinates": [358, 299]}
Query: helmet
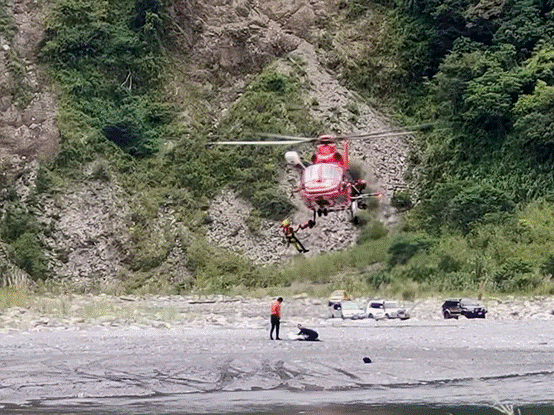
{"type": "Point", "coordinates": [286, 222]}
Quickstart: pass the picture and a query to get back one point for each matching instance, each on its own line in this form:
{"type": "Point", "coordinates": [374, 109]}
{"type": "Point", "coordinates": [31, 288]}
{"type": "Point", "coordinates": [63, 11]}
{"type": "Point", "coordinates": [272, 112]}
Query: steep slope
{"type": "Point", "coordinates": [27, 101]}
{"type": "Point", "coordinates": [27, 110]}
{"type": "Point", "coordinates": [382, 161]}
{"type": "Point", "coordinates": [90, 223]}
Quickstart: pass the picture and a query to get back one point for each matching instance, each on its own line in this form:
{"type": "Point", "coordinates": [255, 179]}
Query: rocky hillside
{"type": "Point", "coordinates": [27, 100]}
{"type": "Point", "coordinates": [223, 43]}
{"type": "Point", "coordinates": [382, 160]}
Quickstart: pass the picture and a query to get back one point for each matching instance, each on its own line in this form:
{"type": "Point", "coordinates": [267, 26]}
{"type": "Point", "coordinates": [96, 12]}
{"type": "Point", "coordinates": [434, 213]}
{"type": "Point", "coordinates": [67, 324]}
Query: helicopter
{"type": "Point", "coordinates": [327, 184]}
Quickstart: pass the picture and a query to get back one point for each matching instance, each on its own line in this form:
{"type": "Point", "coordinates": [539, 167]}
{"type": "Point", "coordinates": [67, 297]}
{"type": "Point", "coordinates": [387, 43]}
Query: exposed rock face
{"type": "Point", "coordinates": [382, 160]}
{"type": "Point", "coordinates": [230, 229]}
{"type": "Point", "coordinates": [27, 103]}
{"type": "Point", "coordinates": [224, 42]}
{"type": "Point", "coordinates": [89, 232]}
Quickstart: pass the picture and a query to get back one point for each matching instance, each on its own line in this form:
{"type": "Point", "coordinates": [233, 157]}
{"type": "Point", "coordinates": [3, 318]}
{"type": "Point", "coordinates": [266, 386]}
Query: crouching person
{"type": "Point", "coordinates": [307, 334]}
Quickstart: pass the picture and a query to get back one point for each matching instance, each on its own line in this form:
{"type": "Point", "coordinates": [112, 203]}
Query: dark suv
{"type": "Point", "coordinates": [454, 308]}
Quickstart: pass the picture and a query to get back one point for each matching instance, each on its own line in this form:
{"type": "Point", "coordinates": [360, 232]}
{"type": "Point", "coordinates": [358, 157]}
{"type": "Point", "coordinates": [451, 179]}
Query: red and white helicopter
{"type": "Point", "coordinates": [327, 183]}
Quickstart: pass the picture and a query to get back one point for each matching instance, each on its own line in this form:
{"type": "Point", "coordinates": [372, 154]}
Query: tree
{"type": "Point", "coordinates": [535, 116]}
{"type": "Point", "coordinates": [489, 99]}
{"type": "Point", "coordinates": [472, 204]}
{"type": "Point", "coordinates": [525, 23]}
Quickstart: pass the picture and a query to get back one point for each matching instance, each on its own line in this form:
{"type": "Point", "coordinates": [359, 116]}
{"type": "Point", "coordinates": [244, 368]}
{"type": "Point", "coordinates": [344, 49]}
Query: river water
{"type": "Point", "coordinates": [462, 367]}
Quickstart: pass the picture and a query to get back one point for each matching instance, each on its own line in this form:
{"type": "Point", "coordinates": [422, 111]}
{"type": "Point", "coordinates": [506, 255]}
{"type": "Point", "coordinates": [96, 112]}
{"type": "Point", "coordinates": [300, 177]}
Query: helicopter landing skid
{"type": "Point", "coordinates": [321, 212]}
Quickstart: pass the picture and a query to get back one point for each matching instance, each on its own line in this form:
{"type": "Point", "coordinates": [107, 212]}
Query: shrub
{"type": "Point", "coordinates": [16, 222]}
{"type": "Point", "coordinates": [534, 123]}
{"type": "Point", "coordinates": [357, 8]}
{"type": "Point", "coordinates": [547, 266]}
{"type": "Point", "coordinates": [525, 282]}
{"type": "Point", "coordinates": [100, 171]}
{"type": "Point", "coordinates": [454, 281]}
{"type": "Point", "coordinates": [402, 200]}
{"type": "Point", "coordinates": [460, 205]}
{"type": "Point", "coordinates": [44, 180]}
{"type": "Point", "coordinates": [377, 279]}
{"type": "Point", "coordinates": [29, 255]}
{"type": "Point", "coordinates": [406, 246]}
{"type": "Point", "coordinates": [422, 271]}
{"type": "Point", "coordinates": [448, 264]}
{"type": "Point", "coordinates": [8, 29]}
{"type": "Point", "coordinates": [474, 203]}
{"type": "Point", "coordinates": [218, 270]}
{"type": "Point", "coordinates": [8, 191]}
{"type": "Point", "coordinates": [254, 222]}
{"type": "Point", "coordinates": [514, 274]}
{"type": "Point", "coordinates": [372, 231]}
{"type": "Point", "coordinates": [272, 204]}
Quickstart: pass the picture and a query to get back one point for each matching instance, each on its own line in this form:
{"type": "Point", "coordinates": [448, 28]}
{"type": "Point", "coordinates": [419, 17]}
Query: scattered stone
{"type": "Point", "coordinates": [42, 322]}
{"type": "Point", "coordinates": [169, 312]}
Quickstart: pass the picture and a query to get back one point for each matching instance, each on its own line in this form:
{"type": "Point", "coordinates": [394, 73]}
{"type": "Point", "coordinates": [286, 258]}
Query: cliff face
{"type": "Point", "coordinates": [223, 41]}
{"type": "Point", "coordinates": [27, 101]}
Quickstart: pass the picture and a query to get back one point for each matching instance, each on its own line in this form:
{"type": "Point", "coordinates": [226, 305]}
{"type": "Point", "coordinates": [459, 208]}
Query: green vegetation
{"type": "Point", "coordinates": [478, 218]}
{"type": "Point", "coordinates": [272, 103]}
{"type": "Point", "coordinates": [7, 25]}
{"type": "Point", "coordinates": [108, 58]}
{"type": "Point", "coordinates": [482, 71]}
{"type": "Point", "coordinates": [111, 63]}
{"type": "Point", "coordinates": [10, 297]}
{"type": "Point", "coordinates": [20, 89]}
{"type": "Point", "coordinates": [514, 256]}
{"type": "Point", "coordinates": [21, 231]}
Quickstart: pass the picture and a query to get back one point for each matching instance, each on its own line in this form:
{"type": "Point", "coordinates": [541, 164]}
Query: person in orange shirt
{"type": "Point", "coordinates": [275, 318]}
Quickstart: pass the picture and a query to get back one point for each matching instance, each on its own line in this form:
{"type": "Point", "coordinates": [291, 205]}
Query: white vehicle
{"type": "Point", "coordinates": [337, 296]}
{"type": "Point", "coordinates": [335, 309]}
{"type": "Point", "coordinates": [380, 309]}
{"type": "Point", "coordinates": [351, 309]}
{"type": "Point", "coordinates": [335, 302]}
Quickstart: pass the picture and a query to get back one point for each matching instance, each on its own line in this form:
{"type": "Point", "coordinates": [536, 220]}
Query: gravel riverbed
{"type": "Point", "coordinates": [199, 354]}
{"type": "Point", "coordinates": [76, 312]}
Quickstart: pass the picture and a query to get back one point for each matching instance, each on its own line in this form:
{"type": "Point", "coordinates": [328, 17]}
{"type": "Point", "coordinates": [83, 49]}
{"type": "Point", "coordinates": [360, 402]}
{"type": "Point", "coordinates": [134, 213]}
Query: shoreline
{"type": "Point", "coordinates": [64, 312]}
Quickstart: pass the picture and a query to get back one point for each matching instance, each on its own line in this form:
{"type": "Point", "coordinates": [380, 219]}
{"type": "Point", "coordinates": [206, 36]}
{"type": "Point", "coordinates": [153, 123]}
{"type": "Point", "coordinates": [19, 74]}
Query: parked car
{"type": "Point", "coordinates": [335, 302]}
{"type": "Point", "coordinates": [351, 309]}
{"type": "Point", "coordinates": [456, 307]}
{"type": "Point", "coordinates": [338, 296]}
{"type": "Point", "coordinates": [379, 309]}
{"type": "Point", "coordinates": [335, 309]}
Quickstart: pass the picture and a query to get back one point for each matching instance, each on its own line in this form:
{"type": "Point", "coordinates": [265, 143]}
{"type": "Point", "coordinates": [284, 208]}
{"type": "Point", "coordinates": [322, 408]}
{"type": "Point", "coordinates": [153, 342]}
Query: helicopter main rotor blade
{"type": "Point", "coordinates": [381, 135]}
{"type": "Point", "coordinates": [366, 196]}
{"type": "Point", "coordinates": [255, 143]}
{"type": "Point", "coordinates": [290, 140]}
{"type": "Point", "coordinates": [289, 137]}
{"type": "Point", "coordinates": [387, 133]}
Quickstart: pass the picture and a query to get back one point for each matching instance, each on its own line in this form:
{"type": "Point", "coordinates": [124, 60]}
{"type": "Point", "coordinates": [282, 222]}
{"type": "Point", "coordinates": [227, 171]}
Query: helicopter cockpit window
{"type": "Point", "coordinates": [320, 172]}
